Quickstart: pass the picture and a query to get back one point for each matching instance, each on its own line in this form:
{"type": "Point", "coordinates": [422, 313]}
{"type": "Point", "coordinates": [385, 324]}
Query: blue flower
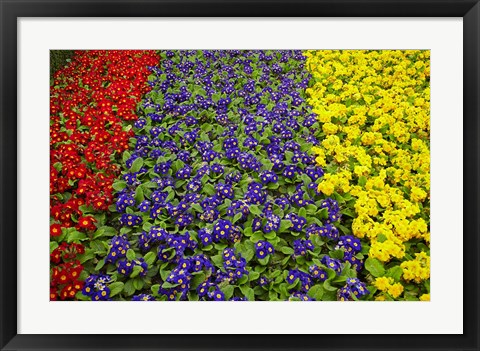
{"type": "Point", "coordinates": [332, 263]}
{"type": "Point", "coordinates": [144, 206]}
{"type": "Point", "coordinates": [318, 273]}
{"type": "Point", "coordinates": [118, 248]}
{"type": "Point", "coordinates": [205, 236]}
{"type": "Point", "coordinates": [301, 246]}
{"type": "Point", "coordinates": [349, 243]}
{"type": "Point", "coordinates": [96, 287]}
{"type": "Point", "coordinates": [263, 249]}
{"type": "Point", "coordinates": [143, 297]}
{"type": "Point", "coordinates": [268, 177]}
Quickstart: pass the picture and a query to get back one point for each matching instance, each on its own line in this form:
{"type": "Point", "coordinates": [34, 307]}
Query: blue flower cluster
{"type": "Point", "coordinates": [263, 249]}
{"type": "Point", "coordinates": [126, 268]}
{"type": "Point", "coordinates": [220, 186]}
{"type": "Point", "coordinates": [96, 287]}
{"type": "Point", "coordinates": [352, 247]}
{"type": "Point", "coordinates": [118, 248]}
{"type": "Point", "coordinates": [353, 289]}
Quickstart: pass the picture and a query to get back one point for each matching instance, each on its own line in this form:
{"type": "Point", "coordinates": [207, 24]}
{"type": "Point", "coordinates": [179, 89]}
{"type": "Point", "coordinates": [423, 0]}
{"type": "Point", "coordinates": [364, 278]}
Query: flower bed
{"type": "Point", "coordinates": [241, 175]}
{"type": "Point", "coordinates": [218, 197]}
{"type": "Point", "coordinates": [374, 107]}
{"type": "Point", "coordinates": [89, 101]}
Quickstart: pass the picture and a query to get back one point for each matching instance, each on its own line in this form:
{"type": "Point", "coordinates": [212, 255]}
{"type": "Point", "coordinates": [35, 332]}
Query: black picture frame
{"type": "Point", "coordinates": [11, 10]}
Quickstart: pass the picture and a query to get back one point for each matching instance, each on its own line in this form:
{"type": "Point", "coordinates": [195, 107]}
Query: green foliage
{"type": "Point", "coordinates": [59, 59]}
{"type": "Point", "coordinates": [375, 267]}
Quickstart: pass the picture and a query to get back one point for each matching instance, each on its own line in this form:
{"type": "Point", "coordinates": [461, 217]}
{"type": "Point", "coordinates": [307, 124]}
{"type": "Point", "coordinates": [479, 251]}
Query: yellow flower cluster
{"type": "Point", "coordinates": [388, 285]}
{"type": "Point", "coordinates": [374, 114]}
{"type": "Point", "coordinates": [417, 269]}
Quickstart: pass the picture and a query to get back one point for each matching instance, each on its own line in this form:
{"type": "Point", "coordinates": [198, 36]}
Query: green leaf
{"type": "Point", "coordinates": [168, 285]}
{"type": "Point", "coordinates": [381, 238]}
{"type": "Point", "coordinates": [338, 254]}
{"type": "Point", "coordinates": [375, 267]}
{"type": "Point", "coordinates": [104, 231]}
{"type": "Point", "coordinates": [271, 235]}
{"type": "Point", "coordinates": [237, 217]}
{"type": "Point", "coordinates": [128, 288]}
{"type": "Point", "coordinates": [163, 273]}
{"type": "Point", "coordinates": [58, 166]}
{"type": "Point", "coordinates": [258, 235]}
{"type": "Point", "coordinates": [327, 286]}
{"type": "Point", "coordinates": [79, 296]}
{"type": "Point", "coordinates": [130, 254]}
{"type": "Point", "coordinates": [287, 250]}
{"type": "Point", "coordinates": [53, 246]}
{"type": "Point", "coordinates": [284, 225]}
{"type": "Point", "coordinates": [209, 189]}
{"type": "Point", "coordinates": [126, 156]}
{"type": "Point", "coordinates": [343, 229]}
{"type": "Point", "coordinates": [100, 265]}
{"type": "Point", "coordinates": [302, 212]}
{"type": "Point", "coordinates": [362, 180]}
{"type": "Point", "coordinates": [228, 291]}
{"type": "Point", "coordinates": [139, 197]}
{"type": "Point", "coordinates": [119, 185]}
{"type": "Point", "coordinates": [248, 292]}
{"type": "Point", "coordinates": [264, 261]}
{"type": "Point", "coordinates": [150, 185]}
{"type": "Point", "coordinates": [329, 296]}
{"type": "Point", "coordinates": [316, 292]}
{"type": "Point", "coordinates": [395, 272]}
{"type": "Point", "coordinates": [216, 97]}
{"type": "Point", "coordinates": [197, 207]}
{"type": "Point", "coordinates": [116, 288]}
{"type": "Point", "coordinates": [136, 165]}
{"type": "Point", "coordinates": [253, 276]}
{"type": "Point", "coordinates": [247, 231]}
{"type": "Point", "coordinates": [150, 258]}
{"type": "Point", "coordinates": [197, 280]}
{"type": "Point", "coordinates": [217, 260]}
{"type": "Point", "coordinates": [255, 210]}
{"type": "Point", "coordinates": [88, 255]}
{"type": "Point", "coordinates": [136, 271]}
{"type": "Point", "coordinates": [138, 282]}
{"type": "Point", "coordinates": [348, 213]}
{"type": "Point", "coordinates": [323, 213]}
{"type": "Point", "coordinates": [179, 164]}
{"type": "Point", "coordinates": [154, 289]}
{"type": "Point", "coordinates": [75, 235]}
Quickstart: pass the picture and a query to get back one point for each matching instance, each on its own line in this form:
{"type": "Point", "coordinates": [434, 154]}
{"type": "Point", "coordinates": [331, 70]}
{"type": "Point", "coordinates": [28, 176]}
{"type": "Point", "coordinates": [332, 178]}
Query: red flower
{"type": "Point", "coordinates": [55, 256]}
{"type": "Point", "coordinates": [55, 230]}
{"type": "Point", "coordinates": [74, 273]}
{"type": "Point", "coordinates": [53, 294]}
{"type": "Point", "coordinates": [86, 222]}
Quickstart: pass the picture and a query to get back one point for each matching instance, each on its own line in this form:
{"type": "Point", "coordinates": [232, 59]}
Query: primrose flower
{"type": "Point", "coordinates": [263, 249]}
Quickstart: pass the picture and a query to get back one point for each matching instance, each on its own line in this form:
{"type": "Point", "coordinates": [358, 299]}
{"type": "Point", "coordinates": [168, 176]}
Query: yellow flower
{"type": "Point", "coordinates": [395, 290]}
{"type": "Point", "coordinates": [330, 128]}
{"type": "Point", "coordinates": [383, 283]}
{"type": "Point", "coordinates": [417, 194]}
{"type": "Point", "coordinates": [368, 138]}
{"type": "Point", "coordinates": [417, 269]}
{"type": "Point", "coordinates": [425, 297]}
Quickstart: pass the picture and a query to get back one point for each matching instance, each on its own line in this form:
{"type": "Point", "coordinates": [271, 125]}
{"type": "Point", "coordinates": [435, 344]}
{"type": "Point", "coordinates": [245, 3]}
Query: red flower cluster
{"type": "Point", "coordinates": [89, 101]}
{"type": "Point", "coordinates": [66, 272]}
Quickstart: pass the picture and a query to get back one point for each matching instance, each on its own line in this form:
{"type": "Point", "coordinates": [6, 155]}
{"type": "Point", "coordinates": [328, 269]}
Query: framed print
{"type": "Point", "coordinates": [252, 175]}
